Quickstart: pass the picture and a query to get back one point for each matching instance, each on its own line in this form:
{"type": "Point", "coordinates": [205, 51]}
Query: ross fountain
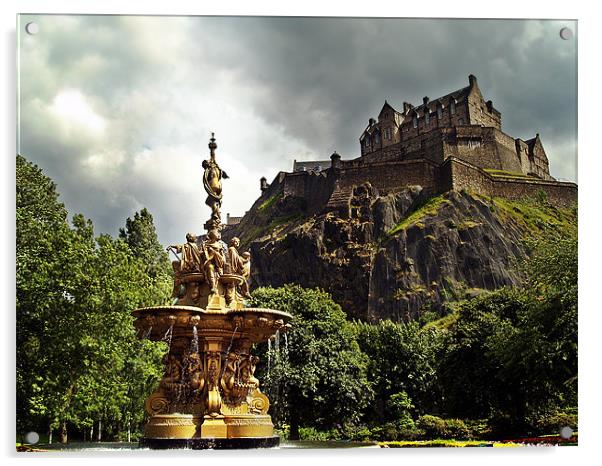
{"type": "Point", "coordinates": [209, 396]}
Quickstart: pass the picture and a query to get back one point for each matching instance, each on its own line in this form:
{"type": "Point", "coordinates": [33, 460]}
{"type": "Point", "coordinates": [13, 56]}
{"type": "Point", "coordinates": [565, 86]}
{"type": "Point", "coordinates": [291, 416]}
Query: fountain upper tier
{"type": "Point", "coordinates": [254, 324]}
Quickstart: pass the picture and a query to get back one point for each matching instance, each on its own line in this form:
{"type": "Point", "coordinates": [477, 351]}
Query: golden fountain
{"type": "Point", "coordinates": [209, 396]}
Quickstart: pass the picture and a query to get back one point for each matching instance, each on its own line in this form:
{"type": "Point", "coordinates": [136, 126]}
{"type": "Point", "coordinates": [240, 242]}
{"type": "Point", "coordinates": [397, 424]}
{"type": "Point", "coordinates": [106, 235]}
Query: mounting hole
{"type": "Point", "coordinates": [566, 33]}
{"type": "Point", "coordinates": [32, 28]}
{"type": "Point", "coordinates": [566, 432]}
{"type": "Point", "coordinates": [32, 437]}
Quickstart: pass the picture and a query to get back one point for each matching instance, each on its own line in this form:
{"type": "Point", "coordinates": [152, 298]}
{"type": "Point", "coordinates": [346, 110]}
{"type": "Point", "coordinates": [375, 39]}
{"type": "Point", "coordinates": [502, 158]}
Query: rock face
{"type": "Point", "coordinates": [391, 256]}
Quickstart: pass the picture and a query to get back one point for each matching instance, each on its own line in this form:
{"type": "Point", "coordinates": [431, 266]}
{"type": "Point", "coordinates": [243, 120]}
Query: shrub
{"type": "Point", "coordinates": [552, 423]}
{"type": "Point", "coordinates": [456, 429]}
{"type": "Point", "coordinates": [363, 433]}
{"type": "Point", "coordinates": [311, 433]}
{"type": "Point", "coordinates": [283, 431]}
{"type": "Point", "coordinates": [479, 428]}
{"type": "Point", "coordinates": [433, 426]}
{"type": "Point", "coordinates": [399, 405]}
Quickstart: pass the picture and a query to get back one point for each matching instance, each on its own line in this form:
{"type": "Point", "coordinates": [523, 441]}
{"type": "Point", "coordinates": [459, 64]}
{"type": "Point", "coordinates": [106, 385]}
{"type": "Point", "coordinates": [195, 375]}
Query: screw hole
{"type": "Point", "coordinates": [566, 33]}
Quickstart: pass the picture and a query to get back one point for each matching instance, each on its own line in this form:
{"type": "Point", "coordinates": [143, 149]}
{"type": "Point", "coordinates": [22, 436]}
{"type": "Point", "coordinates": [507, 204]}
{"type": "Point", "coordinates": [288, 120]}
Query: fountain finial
{"type": "Point", "coordinates": [212, 182]}
{"type": "Point", "coordinates": [212, 146]}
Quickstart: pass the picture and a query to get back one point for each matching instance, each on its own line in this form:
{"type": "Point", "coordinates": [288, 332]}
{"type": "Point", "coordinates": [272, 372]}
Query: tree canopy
{"type": "Point", "coordinates": [78, 359]}
{"type": "Point", "coordinates": [320, 379]}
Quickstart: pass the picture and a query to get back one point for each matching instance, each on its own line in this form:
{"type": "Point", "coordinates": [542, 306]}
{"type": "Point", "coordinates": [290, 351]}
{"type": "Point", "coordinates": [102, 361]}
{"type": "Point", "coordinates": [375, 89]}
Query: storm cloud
{"type": "Point", "coordinates": [119, 110]}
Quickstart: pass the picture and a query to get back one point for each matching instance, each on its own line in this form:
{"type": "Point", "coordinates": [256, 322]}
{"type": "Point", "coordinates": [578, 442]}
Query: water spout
{"type": "Point", "coordinates": [231, 340]}
{"type": "Point", "coordinates": [194, 343]}
{"type": "Point", "coordinates": [269, 355]}
{"type": "Point", "coordinates": [168, 335]}
{"type": "Point", "coordinates": [225, 355]}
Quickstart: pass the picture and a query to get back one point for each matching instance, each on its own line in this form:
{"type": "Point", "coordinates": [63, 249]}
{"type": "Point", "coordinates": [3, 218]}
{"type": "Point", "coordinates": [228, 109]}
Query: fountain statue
{"type": "Point", "coordinates": [209, 396]}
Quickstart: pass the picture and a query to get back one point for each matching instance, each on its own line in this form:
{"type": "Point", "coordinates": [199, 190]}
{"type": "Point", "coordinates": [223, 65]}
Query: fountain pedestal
{"type": "Point", "coordinates": [209, 390]}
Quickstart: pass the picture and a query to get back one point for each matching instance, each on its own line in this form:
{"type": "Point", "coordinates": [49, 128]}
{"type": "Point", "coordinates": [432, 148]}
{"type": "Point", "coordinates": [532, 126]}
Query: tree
{"type": "Point", "coordinates": [467, 372]}
{"type": "Point", "coordinates": [512, 354]}
{"type": "Point", "coordinates": [78, 359]}
{"type": "Point", "coordinates": [43, 242]}
{"type": "Point", "coordinates": [403, 360]}
{"type": "Point", "coordinates": [540, 355]}
{"type": "Point", "coordinates": [140, 235]}
{"type": "Point", "coordinates": [320, 379]}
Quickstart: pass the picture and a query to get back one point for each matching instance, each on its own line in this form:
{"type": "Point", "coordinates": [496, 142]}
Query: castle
{"type": "Point", "coordinates": [453, 142]}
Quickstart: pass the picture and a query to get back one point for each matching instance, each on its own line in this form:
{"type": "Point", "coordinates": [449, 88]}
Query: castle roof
{"type": "Point", "coordinates": [388, 107]}
{"type": "Point", "coordinates": [457, 96]}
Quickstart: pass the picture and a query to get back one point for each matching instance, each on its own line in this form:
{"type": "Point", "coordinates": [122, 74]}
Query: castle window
{"type": "Point", "coordinates": [452, 107]}
{"type": "Point", "coordinates": [439, 112]}
{"type": "Point", "coordinates": [415, 122]}
{"type": "Point", "coordinates": [427, 118]}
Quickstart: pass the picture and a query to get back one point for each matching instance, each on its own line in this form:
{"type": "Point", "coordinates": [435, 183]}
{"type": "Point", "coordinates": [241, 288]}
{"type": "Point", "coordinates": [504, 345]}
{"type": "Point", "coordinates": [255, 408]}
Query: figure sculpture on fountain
{"type": "Point", "coordinates": [212, 182]}
{"type": "Point", "coordinates": [246, 274]}
{"type": "Point", "coordinates": [190, 259]}
{"type": "Point", "coordinates": [214, 259]}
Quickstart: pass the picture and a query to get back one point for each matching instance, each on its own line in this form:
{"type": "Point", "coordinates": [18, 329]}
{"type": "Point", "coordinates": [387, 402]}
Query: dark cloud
{"type": "Point", "coordinates": [143, 93]}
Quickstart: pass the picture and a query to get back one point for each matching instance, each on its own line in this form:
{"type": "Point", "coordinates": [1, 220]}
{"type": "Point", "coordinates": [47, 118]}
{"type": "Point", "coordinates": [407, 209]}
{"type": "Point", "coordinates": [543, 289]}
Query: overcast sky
{"type": "Point", "coordinates": [119, 110]}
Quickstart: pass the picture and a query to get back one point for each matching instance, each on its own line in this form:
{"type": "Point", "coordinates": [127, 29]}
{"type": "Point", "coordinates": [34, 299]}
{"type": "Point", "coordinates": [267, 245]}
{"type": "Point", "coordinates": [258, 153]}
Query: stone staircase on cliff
{"type": "Point", "coordinates": [339, 199]}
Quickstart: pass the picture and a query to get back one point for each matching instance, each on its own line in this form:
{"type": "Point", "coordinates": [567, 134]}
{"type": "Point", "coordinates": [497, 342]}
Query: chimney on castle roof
{"type": "Point", "coordinates": [371, 121]}
{"type": "Point", "coordinates": [472, 80]}
{"type": "Point", "coordinates": [407, 107]}
{"type": "Point", "coordinates": [489, 106]}
{"type": "Point", "coordinates": [425, 100]}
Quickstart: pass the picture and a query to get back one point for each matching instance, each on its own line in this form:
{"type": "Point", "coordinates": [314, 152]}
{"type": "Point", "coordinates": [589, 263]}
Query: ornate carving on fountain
{"type": "Point", "coordinates": [209, 389]}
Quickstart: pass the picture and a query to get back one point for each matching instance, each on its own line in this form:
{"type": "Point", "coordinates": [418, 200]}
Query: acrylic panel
{"type": "Point", "coordinates": [287, 232]}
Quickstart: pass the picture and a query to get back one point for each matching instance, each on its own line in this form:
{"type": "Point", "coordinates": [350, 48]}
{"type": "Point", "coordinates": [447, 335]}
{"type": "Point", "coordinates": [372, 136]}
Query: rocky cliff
{"type": "Point", "coordinates": [395, 256]}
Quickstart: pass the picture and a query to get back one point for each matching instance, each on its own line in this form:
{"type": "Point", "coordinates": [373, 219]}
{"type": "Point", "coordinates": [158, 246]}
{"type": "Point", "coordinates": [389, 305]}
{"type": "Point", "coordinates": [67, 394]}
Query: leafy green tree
{"type": "Point", "coordinates": [512, 355]}
{"type": "Point", "coordinates": [140, 235]}
{"type": "Point", "coordinates": [321, 381]}
{"type": "Point", "coordinates": [540, 355]}
{"type": "Point", "coordinates": [466, 370]}
{"type": "Point", "coordinates": [113, 396]}
{"type": "Point", "coordinates": [400, 406]}
{"type": "Point", "coordinates": [402, 359]}
{"type": "Point", "coordinates": [78, 359]}
{"type": "Point", "coordinates": [43, 242]}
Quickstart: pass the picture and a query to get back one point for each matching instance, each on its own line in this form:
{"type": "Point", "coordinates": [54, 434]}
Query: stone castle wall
{"type": "Point", "coordinates": [459, 174]}
{"type": "Point", "coordinates": [315, 188]}
{"type": "Point", "coordinates": [388, 176]}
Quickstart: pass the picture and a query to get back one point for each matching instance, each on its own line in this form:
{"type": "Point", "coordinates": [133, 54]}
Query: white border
{"type": "Point", "coordinates": [589, 207]}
